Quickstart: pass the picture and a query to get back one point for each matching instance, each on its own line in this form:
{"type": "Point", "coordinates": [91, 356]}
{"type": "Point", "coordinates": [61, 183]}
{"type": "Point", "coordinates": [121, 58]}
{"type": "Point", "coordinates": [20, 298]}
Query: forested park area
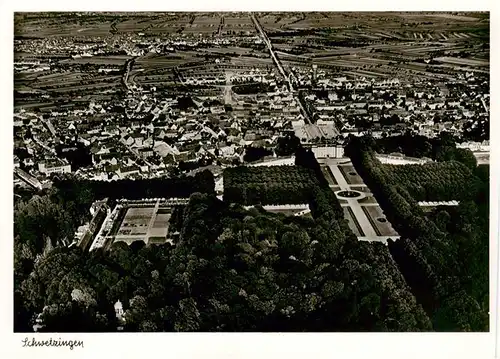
{"type": "Point", "coordinates": [252, 88]}
{"type": "Point", "coordinates": [50, 218]}
{"type": "Point", "coordinates": [436, 181]}
{"type": "Point", "coordinates": [180, 187]}
{"type": "Point", "coordinates": [269, 185]}
{"type": "Point", "coordinates": [441, 148]}
{"type": "Point", "coordinates": [233, 269]}
{"type": "Point", "coordinates": [230, 270]}
{"type": "Point", "coordinates": [443, 256]}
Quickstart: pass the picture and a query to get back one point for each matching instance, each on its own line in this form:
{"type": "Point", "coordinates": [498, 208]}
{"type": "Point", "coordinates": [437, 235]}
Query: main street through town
{"type": "Point", "coordinates": [277, 62]}
{"type": "Point", "coordinates": [270, 47]}
{"type": "Point", "coordinates": [282, 71]}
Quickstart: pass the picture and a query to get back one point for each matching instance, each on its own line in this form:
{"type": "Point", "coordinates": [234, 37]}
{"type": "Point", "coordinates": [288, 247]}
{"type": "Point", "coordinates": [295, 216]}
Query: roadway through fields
{"type": "Point", "coordinates": [277, 62]}
{"type": "Point", "coordinates": [270, 48]}
{"type": "Point", "coordinates": [128, 67]}
{"type": "Point", "coordinates": [228, 98]}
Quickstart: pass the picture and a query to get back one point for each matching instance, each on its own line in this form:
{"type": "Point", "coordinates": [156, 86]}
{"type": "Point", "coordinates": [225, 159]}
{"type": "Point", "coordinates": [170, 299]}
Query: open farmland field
{"type": "Point", "coordinates": [160, 61]}
{"type": "Point", "coordinates": [99, 60]}
{"type": "Point", "coordinates": [316, 21]}
{"type": "Point", "coordinates": [251, 62]}
{"type": "Point", "coordinates": [466, 62]}
{"type": "Point", "coordinates": [64, 30]}
{"type": "Point", "coordinates": [81, 25]}
{"type": "Point", "coordinates": [380, 41]}
{"type": "Point", "coordinates": [137, 25]}
{"type": "Point", "coordinates": [148, 79]}
{"type": "Point", "coordinates": [244, 20]}
{"type": "Point", "coordinates": [382, 25]}
{"type": "Point", "coordinates": [238, 25]}
{"type": "Point", "coordinates": [444, 16]}
{"type": "Point", "coordinates": [24, 79]}
{"type": "Point", "coordinates": [203, 25]}
{"type": "Point", "coordinates": [18, 105]}
{"type": "Point", "coordinates": [68, 81]}
{"type": "Point", "coordinates": [276, 21]}
{"type": "Point", "coordinates": [100, 24]}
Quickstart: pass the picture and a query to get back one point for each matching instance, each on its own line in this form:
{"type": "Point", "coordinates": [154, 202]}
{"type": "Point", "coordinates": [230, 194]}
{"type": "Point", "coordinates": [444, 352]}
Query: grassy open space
{"type": "Point", "coordinates": [378, 221]}
{"type": "Point", "coordinates": [350, 174]}
{"type": "Point", "coordinates": [353, 223]}
{"type": "Point", "coordinates": [367, 200]}
{"type": "Point", "coordinates": [328, 175]}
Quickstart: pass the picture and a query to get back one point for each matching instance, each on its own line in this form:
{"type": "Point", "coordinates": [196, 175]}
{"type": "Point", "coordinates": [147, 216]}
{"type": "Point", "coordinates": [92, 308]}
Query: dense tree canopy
{"type": "Point", "coordinates": [443, 257]}
{"type": "Point", "coordinates": [287, 145]}
{"type": "Point", "coordinates": [436, 181]}
{"type": "Point", "coordinates": [50, 220]}
{"type": "Point", "coordinates": [269, 185]}
{"type": "Point", "coordinates": [180, 187]}
{"type": "Point", "coordinates": [253, 154]}
{"type": "Point", "coordinates": [231, 269]}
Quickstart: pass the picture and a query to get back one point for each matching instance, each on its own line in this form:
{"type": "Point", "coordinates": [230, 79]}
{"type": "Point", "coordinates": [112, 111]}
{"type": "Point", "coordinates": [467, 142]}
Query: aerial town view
{"type": "Point", "coordinates": [251, 172]}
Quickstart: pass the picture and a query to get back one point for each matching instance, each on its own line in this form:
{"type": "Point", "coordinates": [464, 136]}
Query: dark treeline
{"type": "Point", "coordinates": [441, 148]}
{"type": "Point", "coordinates": [268, 185]}
{"type": "Point", "coordinates": [287, 144]}
{"type": "Point", "coordinates": [305, 158]}
{"type": "Point", "coordinates": [445, 258]}
{"type": "Point", "coordinates": [231, 270]}
{"type": "Point", "coordinates": [176, 219]}
{"type": "Point", "coordinates": [251, 88]}
{"type": "Point", "coordinates": [253, 154]}
{"type": "Point", "coordinates": [180, 187]}
{"type": "Point", "coordinates": [50, 220]}
{"type": "Point", "coordinates": [78, 156]}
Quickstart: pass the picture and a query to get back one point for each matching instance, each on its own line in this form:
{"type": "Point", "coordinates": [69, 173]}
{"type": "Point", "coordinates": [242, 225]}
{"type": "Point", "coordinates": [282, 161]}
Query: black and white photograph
{"type": "Point", "coordinates": [250, 171]}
